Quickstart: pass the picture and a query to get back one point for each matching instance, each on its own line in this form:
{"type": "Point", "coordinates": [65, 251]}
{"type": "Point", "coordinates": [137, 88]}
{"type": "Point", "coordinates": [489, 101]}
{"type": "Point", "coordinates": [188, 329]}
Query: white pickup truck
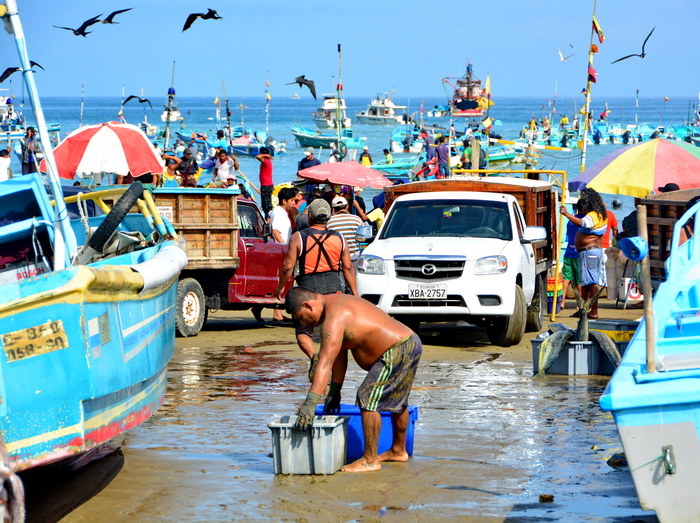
{"type": "Point", "coordinates": [449, 255]}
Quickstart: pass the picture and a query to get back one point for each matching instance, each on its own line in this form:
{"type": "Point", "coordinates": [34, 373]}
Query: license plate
{"type": "Point", "coordinates": [427, 292]}
{"type": "Point", "coordinates": [34, 341]}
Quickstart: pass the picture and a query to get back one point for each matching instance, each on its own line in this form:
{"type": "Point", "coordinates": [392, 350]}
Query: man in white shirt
{"type": "Point", "coordinates": [225, 167]}
{"type": "Point", "coordinates": [4, 165]}
{"type": "Point", "coordinates": [279, 216]}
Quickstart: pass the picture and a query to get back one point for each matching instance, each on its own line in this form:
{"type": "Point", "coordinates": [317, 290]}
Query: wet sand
{"type": "Point", "coordinates": [489, 440]}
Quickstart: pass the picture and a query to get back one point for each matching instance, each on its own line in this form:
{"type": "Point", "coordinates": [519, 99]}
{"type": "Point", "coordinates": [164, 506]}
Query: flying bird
{"type": "Point", "coordinates": [80, 31]}
{"type": "Point", "coordinates": [140, 99]}
{"type": "Point", "coordinates": [301, 80]}
{"type": "Point", "coordinates": [639, 55]}
{"type": "Point", "coordinates": [210, 14]}
{"type": "Point", "coordinates": [561, 56]}
{"type": "Point", "coordinates": [110, 18]}
{"type": "Point", "coordinates": [8, 72]}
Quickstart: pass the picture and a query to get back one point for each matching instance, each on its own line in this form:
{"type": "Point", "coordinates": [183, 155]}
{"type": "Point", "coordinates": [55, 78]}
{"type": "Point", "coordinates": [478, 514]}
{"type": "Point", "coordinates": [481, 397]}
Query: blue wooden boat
{"type": "Point", "coordinates": [87, 331]}
{"type": "Point", "coordinates": [401, 167]}
{"type": "Point", "coordinates": [311, 138]}
{"type": "Point", "coordinates": [657, 408]}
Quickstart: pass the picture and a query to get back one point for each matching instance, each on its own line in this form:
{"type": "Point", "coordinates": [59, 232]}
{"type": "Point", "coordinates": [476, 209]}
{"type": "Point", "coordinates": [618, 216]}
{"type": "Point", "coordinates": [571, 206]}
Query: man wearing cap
{"type": "Point", "coordinates": [346, 224]}
{"type": "Point", "coordinates": [308, 160]}
{"type": "Point", "coordinates": [187, 169]}
{"type": "Point", "coordinates": [321, 254]}
{"type": "Point", "coordinates": [219, 143]}
{"type": "Point", "coordinates": [365, 157]}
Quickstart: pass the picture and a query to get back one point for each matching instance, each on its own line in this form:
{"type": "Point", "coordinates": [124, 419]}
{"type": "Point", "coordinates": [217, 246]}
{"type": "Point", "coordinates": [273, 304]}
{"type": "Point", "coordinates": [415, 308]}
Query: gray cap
{"type": "Point", "coordinates": [309, 150]}
{"type": "Point", "coordinates": [188, 151]}
{"type": "Point", "coordinates": [319, 209]}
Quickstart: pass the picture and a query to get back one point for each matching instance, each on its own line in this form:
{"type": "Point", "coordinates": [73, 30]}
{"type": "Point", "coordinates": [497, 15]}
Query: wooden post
{"type": "Point", "coordinates": [646, 290]}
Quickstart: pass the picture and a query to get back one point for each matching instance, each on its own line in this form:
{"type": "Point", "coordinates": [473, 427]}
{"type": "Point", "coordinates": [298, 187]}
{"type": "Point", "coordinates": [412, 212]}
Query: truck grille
{"type": "Point", "coordinates": [429, 268]}
{"type": "Point", "coordinates": [452, 300]}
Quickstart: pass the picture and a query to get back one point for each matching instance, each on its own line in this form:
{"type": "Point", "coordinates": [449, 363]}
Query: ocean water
{"type": "Point", "coordinates": [199, 113]}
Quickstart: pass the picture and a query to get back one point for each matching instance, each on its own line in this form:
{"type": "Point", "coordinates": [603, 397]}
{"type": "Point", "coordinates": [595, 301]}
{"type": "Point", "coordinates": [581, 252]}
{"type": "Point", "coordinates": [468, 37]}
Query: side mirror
{"type": "Point", "coordinates": [266, 231]}
{"type": "Point", "coordinates": [364, 234]}
{"type": "Point", "coordinates": [534, 234]}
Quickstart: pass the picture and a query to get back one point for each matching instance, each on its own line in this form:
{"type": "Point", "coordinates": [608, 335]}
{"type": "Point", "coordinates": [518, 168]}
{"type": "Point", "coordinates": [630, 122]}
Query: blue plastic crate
{"type": "Point", "coordinates": [356, 438]}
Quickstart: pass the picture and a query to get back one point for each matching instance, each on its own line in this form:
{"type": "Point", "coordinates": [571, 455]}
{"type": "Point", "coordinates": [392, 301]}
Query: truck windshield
{"type": "Point", "coordinates": [450, 218]}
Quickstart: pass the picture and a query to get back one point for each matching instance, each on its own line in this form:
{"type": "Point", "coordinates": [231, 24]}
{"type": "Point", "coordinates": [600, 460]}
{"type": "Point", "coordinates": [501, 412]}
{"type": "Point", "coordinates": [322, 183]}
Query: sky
{"type": "Point", "coordinates": [403, 45]}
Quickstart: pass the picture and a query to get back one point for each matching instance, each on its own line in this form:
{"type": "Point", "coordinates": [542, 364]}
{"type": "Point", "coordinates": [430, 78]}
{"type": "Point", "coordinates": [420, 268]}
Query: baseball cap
{"type": "Point", "coordinates": [366, 148]}
{"type": "Point", "coordinates": [339, 201]}
{"type": "Point", "coordinates": [669, 187]}
{"type": "Point", "coordinates": [309, 150]}
{"type": "Point", "coordinates": [319, 209]}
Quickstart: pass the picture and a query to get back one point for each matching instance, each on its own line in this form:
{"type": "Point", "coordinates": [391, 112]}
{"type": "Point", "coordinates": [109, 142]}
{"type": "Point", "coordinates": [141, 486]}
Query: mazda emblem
{"type": "Point", "coordinates": [428, 269]}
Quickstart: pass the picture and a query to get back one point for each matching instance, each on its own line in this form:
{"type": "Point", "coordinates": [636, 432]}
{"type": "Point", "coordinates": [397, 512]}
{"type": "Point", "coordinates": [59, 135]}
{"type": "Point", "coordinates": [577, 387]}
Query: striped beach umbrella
{"type": "Point", "coordinates": [639, 169]}
{"type": "Point", "coordinates": [110, 147]}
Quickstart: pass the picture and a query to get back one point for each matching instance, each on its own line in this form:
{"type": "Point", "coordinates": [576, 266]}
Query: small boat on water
{"type": "Point", "coordinates": [400, 167]}
{"type": "Point", "coordinates": [383, 111]}
{"type": "Point", "coordinates": [469, 98]}
{"type": "Point", "coordinates": [326, 115]}
{"type": "Point", "coordinates": [296, 96]}
{"type": "Point", "coordinates": [171, 109]}
{"type": "Point", "coordinates": [654, 394]}
{"type": "Point", "coordinates": [315, 138]}
{"type": "Point", "coordinates": [13, 125]}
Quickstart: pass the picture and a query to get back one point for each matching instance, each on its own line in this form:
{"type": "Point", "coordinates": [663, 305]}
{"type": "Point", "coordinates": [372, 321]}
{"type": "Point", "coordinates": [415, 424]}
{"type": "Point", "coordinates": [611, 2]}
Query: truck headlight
{"type": "Point", "coordinates": [491, 265]}
{"type": "Point", "coordinates": [370, 265]}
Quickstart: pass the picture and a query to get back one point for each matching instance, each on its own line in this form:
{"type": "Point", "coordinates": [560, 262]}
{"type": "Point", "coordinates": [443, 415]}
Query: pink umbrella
{"type": "Point", "coordinates": [111, 147]}
{"type": "Point", "coordinates": [346, 173]}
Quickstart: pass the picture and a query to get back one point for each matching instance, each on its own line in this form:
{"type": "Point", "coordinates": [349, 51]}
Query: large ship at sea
{"type": "Point", "coordinates": [469, 97]}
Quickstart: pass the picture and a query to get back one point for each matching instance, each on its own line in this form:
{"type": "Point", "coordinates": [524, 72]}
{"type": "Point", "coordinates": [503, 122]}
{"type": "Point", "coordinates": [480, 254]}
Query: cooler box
{"type": "Point", "coordinates": [319, 451]}
{"type": "Point", "coordinates": [621, 332]}
{"type": "Point", "coordinates": [576, 358]}
{"type": "Point", "coordinates": [356, 438]}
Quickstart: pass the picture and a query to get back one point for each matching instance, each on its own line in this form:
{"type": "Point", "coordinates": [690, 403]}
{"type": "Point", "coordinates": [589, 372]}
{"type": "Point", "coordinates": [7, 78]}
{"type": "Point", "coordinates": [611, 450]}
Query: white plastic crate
{"type": "Point", "coordinates": [319, 451]}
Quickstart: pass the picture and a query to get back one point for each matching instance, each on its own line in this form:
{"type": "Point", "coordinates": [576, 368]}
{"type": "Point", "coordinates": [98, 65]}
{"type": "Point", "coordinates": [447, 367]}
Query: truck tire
{"type": "Point", "coordinates": [505, 331]}
{"type": "Point", "coordinates": [535, 312]}
{"type": "Point", "coordinates": [191, 310]}
{"type": "Point", "coordinates": [110, 223]}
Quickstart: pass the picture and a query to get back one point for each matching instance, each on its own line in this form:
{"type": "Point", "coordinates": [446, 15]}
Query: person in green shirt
{"type": "Point", "coordinates": [388, 157]}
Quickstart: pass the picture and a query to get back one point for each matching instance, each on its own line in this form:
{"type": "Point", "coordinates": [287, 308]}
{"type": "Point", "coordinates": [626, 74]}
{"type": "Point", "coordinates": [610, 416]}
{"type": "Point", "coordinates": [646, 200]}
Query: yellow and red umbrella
{"type": "Point", "coordinates": [639, 169]}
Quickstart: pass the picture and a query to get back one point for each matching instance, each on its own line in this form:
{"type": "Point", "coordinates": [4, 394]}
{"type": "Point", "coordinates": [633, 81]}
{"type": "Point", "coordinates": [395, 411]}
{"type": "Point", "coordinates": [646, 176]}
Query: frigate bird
{"type": "Point", "coordinates": [639, 55]}
{"type": "Point", "coordinates": [210, 14]}
{"type": "Point", "coordinates": [80, 31]}
{"type": "Point", "coordinates": [301, 80]}
{"type": "Point", "coordinates": [6, 74]}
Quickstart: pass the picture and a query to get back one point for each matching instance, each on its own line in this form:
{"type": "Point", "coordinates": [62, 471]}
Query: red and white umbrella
{"type": "Point", "coordinates": [111, 147]}
{"type": "Point", "coordinates": [349, 173]}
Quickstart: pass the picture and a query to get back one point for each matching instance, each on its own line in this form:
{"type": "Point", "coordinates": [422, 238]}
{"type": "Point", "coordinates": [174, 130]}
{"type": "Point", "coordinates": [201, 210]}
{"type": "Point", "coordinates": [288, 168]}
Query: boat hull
{"type": "Point", "coordinates": [378, 120]}
{"type": "Point", "coordinates": [96, 349]}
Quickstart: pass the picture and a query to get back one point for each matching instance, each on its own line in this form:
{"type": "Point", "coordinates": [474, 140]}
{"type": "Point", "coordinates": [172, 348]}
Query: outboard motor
{"type": "Point", "coordinates": [596, 137]}
{"type": "Point", "coordinates": [611, 138]}
{"type": "Point", "coordinates": [626, 137]}
{"type": "Point", "coordinates": [564, 140]}
{"type": "Point", "coordinates": [654, 135]}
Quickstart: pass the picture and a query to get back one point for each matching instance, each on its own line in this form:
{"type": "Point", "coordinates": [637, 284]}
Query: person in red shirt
{"type": "Point", "coordinates": [266, 183]}
{"type": "Point", "coordinates": [613, 264]}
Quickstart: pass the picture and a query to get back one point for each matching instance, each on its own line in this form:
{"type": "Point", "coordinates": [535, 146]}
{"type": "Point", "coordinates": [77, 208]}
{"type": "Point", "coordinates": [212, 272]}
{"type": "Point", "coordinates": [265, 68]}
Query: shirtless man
{"type": "Point", "coordinates": [379, 344]}
{"type": "Point", "coordinates": [587, 241]}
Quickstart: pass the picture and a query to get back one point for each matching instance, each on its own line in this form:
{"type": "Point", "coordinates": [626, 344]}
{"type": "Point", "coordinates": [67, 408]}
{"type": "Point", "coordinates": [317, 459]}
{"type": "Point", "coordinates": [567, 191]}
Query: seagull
{"type": "Point", "coordinates": [561, 56]}
{"type": "Point", "coordinates": [301, 80]}
{"type": "Point", "coordinates": [8, 72]}
{"type": "Point", "coordinates": [210, 14]}
{"type": "Point", "coordinates": [140, 99]}
{"type": "Point", "coordinates": [639, 55]}
{"type": "Point", "coordinates": [109, 19]}
{"type": "Point", "coordinates": [80, 31]}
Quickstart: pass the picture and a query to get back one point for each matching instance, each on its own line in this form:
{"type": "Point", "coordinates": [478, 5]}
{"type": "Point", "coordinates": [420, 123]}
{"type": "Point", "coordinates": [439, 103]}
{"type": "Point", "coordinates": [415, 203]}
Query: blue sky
{"type": "Point", "coordinates": [406, 45]}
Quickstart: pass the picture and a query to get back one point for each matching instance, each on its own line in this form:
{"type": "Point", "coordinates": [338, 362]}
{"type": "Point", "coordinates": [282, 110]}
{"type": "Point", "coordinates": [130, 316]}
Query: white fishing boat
{"type": "Point", "coordinates": [325, 116]}
{"type": "Point", "coordinates": [383, 111]}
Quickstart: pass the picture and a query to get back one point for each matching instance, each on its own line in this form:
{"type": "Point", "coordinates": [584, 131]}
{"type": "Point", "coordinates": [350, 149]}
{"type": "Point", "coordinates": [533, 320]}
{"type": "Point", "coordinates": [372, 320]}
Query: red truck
{"type": "Point", "coordinates": [233, 260]}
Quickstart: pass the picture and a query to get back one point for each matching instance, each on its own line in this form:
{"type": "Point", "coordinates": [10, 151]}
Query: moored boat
{"type": "Point", "coordinates": [314, 138]}
{"type": "Point", "coordinates": [383, 111]}
{"type": "Point", "coordinates": [331, 111]}
{"type": "Point", "coordinates": [469, 98]}
{"type": "Point", "coordinates": [654, 394]}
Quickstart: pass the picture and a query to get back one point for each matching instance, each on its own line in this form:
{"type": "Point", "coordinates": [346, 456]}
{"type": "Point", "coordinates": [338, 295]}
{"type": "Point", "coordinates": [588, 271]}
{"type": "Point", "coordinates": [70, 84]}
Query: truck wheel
{"type": "Point", "coordinates": [535, 312]}
{"type": "Point", "coordinates": [409, 321]}
{"type": "Point", "coordinates": [191, 308]}
{"type": "Point", "coordinates": [508, 330]}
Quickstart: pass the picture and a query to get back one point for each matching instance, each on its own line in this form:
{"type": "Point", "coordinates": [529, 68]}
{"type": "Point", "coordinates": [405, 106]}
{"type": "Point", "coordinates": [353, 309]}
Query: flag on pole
{"type": "Point", "coordinates": [665, 98]}
{"type": "Point", "coordinates": [487, 88]}
{"type": "Point", "coordinates": [598, 30]}
{"type": "Point", "coordinates": [216, 100]}
{"type": "Point", "coordinates": [592, 74]}
{"type": "Point", "coordinates": [487, 122]}
{"type": "Point", "coordinates": [267, 95]}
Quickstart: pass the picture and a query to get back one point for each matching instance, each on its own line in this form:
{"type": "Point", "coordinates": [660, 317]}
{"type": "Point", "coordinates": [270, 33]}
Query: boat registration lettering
{"type": "Point", "coordinates": [427, 291]}
{"type": "Point", "coordinates": [35, 341]}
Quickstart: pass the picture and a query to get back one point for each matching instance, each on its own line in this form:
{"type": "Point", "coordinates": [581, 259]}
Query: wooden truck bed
{"type": "Point", "coordinates": [208, 221]}
{"type": "Point", "coordinates": [536, 198]}
{"type": "Point", "coordinates": [663, 210]}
